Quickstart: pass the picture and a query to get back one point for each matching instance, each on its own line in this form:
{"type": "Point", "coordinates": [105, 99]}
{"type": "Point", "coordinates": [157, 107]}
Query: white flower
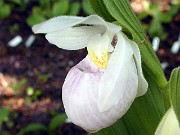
{"type": "Point", "coordinates": [169, 124]}
{"type": "Point", "coordinates": [101, 88]}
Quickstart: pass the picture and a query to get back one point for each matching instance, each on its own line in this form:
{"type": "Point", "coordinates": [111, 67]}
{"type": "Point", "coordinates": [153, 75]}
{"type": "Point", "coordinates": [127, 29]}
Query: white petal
{"type": "Point", "coordinates": [169, 124]}
{"type": "Point", "coordinates": [80, 94]}
{"type": "Point", "coordinates": [74, 38]}
{"type": "Point", "coordinates": [63, 22]}
{"type": "Point", "coordinates": [142, 83]}
{"type": "Point", "coordinates": [120, 76]}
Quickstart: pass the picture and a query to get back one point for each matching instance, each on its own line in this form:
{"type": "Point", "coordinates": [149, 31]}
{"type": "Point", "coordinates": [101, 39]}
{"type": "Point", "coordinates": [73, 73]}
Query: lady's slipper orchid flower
{"type": "Point", "coordinates": [100, 89]}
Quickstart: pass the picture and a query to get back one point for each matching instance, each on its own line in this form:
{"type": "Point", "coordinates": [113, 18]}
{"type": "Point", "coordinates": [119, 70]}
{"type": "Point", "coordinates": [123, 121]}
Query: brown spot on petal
{"type": "Point", "coordinates": [114, 40]}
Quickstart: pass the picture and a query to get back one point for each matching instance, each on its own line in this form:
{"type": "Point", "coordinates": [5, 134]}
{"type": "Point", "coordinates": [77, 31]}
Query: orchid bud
{"type": "Point", "coordinates": [169, 124]}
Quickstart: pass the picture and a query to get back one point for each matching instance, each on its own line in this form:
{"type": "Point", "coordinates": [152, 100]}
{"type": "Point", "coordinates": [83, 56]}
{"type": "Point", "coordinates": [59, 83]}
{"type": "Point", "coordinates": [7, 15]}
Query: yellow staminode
{"type": "Point", "coordinates": [99, 60]}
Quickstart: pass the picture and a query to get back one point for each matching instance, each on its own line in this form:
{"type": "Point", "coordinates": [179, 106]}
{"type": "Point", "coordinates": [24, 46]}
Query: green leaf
{"type": "Point", "coordinates": [116, 129]}
{"type": "Point", "coordinates": [174, 9]}
{"type": "Point", "coordinates": [4, 112]}
{"type": "Point", "coordinates": [43, 77]}
{"type": "Point", "coordinates": [1, 3]}
{"type": "Point", "coordinates": [156, 29]}
{"type": "Point", "coordinates": [166, 17]}
{"type": "Point", "coordinates": [5, 10]}
{"type": "Point", "coordinates": [33, 128]}
{"type": "Point", "coordinates": [14, 28]}
{"type": "Point", "coordinates": [74, 8]}
{"type": "Point", "coordinates": [87, 7]}
{"type": "Point", "coordinates": [57, 121]}
{"type": "Point", "coordinates": [21, 3]}
{"type": "Point", "coordinates": [60, 7]}
{"type": "Point", "coordinates": [45, 4]}
{"type": "Point", "coordinates": [19, 85]}
{"type": "Point", "coordinates": [142, 15]}
{"type": "Point", "coordinates": [99, 7]}
{"type": "Point", "coordinates": [36, 17]}
{"type": "Point", "coordinates": [18, 2]}
{"type": "Point", "coordinates": [174, 86]}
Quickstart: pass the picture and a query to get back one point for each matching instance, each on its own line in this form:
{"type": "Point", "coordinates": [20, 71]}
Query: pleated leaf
{"type": "Point", "coordinates": [101, 10]}
{"type": "Point", "coordinates": [174, 85]}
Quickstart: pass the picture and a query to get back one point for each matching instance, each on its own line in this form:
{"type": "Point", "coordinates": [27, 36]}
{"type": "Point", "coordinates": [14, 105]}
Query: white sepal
{"type": "Point", "coordinates": [56, 24]}
{"type": "Point", "coordinates": [142, 83]}
{"type": "Point", "coordinates": [64, 22]}
{"type": "Point", "coordinates": [67, 33]}
{"type": "Point", "coordinates": [74, 38]}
